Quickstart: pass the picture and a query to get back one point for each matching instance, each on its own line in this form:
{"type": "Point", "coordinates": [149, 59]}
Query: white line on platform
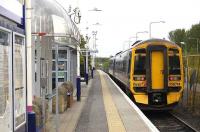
{"type": "Point", "coordinates": [143, 117]}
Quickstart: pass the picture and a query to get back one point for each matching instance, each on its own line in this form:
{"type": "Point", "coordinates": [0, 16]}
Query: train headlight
{"type": "Point", "coordinates": [174, 78]}
{"type": "Point", "coordinates": [139, 84]}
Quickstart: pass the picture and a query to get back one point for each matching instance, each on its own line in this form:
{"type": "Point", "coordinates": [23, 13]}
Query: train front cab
{"type": "Point", "coordinates": [156, 78]}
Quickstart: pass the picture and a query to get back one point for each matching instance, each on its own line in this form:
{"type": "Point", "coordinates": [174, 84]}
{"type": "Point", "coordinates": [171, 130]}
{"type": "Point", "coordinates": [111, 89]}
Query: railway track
{"type": "Point", "coordinates": [168, 122]}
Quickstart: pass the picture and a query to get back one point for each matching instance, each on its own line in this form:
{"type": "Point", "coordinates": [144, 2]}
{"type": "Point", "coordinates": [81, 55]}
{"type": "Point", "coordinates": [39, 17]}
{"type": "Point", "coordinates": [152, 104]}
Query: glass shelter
{"type": "Point", "coordinates": [50, 18]}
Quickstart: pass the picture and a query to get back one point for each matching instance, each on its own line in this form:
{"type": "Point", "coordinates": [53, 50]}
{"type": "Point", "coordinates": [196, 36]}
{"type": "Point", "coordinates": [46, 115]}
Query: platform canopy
{"type": "Point", "coordinates": [52, 19]}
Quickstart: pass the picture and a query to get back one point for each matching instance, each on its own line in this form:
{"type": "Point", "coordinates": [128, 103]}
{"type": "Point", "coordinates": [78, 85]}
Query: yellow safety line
{"type": "Point", "coordinates": [115, 123]}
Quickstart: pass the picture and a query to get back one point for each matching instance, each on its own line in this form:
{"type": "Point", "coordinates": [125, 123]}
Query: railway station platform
{"type": "Point", "coordinates": [104, 108]}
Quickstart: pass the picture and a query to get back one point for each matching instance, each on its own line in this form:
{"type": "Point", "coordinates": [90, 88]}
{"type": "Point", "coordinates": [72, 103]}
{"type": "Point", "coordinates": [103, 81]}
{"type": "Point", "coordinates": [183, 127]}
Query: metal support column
{"type": "Point", "coordinates": [57, 96]}
{"type": "Point", "coordinates": [94, 33]}
{"type": "Point", "coordinates": [31, 123]}
{"type": "Point", "coordinates": [78, 79]}
{"type": "Point", "coordinates": [86, 67]}
{"type": "Point", "coordinates": [68, 65]}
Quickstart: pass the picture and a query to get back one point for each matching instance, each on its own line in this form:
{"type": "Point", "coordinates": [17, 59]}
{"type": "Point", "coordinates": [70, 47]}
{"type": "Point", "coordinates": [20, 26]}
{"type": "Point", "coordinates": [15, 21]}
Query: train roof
{"type": "Point", "coordinates": [119, 53]}
{"type": "Point", "coordinates": [136, 42]}
{"type": "Point", "coordinates": [153, 40]}
{"type": "Point", "coordinates": [139, 42]}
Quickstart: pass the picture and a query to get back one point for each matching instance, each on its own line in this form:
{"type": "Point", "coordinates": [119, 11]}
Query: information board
{"type": "Point", "coordinates": [5, 66]}
{"type": "Point", "coordinates": [4, 78]}
{"type": "Point", "coordinates": [19, 81]}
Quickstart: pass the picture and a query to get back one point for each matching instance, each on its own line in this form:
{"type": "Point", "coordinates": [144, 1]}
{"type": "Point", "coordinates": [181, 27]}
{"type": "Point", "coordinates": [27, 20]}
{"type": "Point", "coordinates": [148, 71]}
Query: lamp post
{"type": "Point", "coordinates": [77, 14]}
{"type": "Point", "coordinates": [151, 24]}
{"type": "Point", "coordinates": [185, 49]}
{"type": "Point", "coordinates": [97, 24]}
{"type": "Point", "coordinates": [197, 43]}
{"type": "Point", "coordinates": [136, 36]}
{"type": "Point", "coordinates": [186, 68]}
{"type": "Point", "coordinates": [94, 33]}
{"type": "Point", "coordinates": [95, 9]}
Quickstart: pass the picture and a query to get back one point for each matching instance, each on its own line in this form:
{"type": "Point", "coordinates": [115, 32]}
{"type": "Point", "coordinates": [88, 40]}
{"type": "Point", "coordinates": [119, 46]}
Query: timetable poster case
{"type": "Point", "coordinates": [19, 80]}
{"type": "Point", "coordinates": [5, 80]}
{"type": "Point", "coordinates": [4, 72]}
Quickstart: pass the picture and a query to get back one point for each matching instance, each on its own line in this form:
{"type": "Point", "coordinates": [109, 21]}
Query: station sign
{"type": "Point", "coordinates": [12, 9]}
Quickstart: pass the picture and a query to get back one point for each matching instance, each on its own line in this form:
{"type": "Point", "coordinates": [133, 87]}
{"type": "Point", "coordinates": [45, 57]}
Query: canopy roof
{"type": "Point", "coordinates": [51, 18]}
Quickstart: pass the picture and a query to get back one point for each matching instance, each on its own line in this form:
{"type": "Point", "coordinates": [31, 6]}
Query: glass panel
{"type": "Point", "coordinates": [140, 65]}
{"type": "Point", "coordinates": [53, 75]}
{"type": "Point", "coordinates": [53, 83]}
{"type": "Point", "coordinates": [4, 38]}
{"type": "Point", "coordinates": [4, 71]}
{"type": "Point", "coordinates": [53, 65]}
{"type": "Point", "coordinates": [19, 80]}
{"type": "Point", "coordinates": [19, 40]}
{"type": "Point", "coordinates": [174, 65]}
{"type": "Point", "coordinates": [62, 76]}
{"type": "Point", "coordinates": [53, 54]}
{"type": "Point", "coordinates": [62, 54]}
{"type": "Point", "coordinates": [60, 79]}
{"type": "Point", "coordinates": [62, 65]}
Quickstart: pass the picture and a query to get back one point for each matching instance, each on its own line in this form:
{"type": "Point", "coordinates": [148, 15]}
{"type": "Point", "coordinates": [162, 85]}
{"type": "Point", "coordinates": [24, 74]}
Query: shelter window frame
{"type": "Point", "coordinates": [19, 120]}
{"type": "Point", "coordinates": [9, 101]}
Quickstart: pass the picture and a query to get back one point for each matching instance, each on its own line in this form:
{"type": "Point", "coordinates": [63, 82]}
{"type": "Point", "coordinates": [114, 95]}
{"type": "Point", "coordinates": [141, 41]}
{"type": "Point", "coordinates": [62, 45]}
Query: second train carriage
{"type": "Point", "coordinates": [151, 73]}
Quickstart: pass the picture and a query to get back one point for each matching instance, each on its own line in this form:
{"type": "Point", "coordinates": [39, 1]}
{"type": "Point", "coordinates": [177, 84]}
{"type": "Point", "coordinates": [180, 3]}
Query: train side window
{"type": "Point", "coordinates": [140, 65]}
{"type": "Point", "coordinates": [140, 51]}
{"type": "Point", "coordinates": [129, 62]}
{"type": "Point", "coordinates": [174, 65]}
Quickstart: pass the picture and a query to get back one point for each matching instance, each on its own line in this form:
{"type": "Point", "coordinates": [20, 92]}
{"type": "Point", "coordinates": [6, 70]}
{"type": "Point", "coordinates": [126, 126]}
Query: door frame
{"type": "Point", "coordinates": [150, 49]}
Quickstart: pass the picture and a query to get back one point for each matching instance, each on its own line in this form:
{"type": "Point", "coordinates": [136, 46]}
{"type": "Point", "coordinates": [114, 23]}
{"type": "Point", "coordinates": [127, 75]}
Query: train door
{"type": "Point", "coordinates": [157, 74]}
{"type": "Point", "coordinates": [5, 80]}
{"type": "Point", "coordinates": [157, 68]}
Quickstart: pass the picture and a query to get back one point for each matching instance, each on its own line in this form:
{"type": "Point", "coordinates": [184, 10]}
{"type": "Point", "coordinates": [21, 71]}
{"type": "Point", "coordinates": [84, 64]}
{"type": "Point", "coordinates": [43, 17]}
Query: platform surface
{"type": "Point", "coordinates": [107, 110]}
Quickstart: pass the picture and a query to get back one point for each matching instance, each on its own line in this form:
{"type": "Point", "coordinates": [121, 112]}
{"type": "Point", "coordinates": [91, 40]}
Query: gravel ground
{"type": "Point", "coordinates": [188, 116]}
{"type": "Point", "coordinates": [184, 112]}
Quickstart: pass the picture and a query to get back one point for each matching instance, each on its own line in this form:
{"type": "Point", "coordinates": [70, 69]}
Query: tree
{"type": "Point", "coordinates": [189, 37]}
{"type": "Point", "coordinates": [83, 42]}
{"type": "Point", "coordinates": [193, 35]}
{"type": "Point", "coordinates": [177, 36]}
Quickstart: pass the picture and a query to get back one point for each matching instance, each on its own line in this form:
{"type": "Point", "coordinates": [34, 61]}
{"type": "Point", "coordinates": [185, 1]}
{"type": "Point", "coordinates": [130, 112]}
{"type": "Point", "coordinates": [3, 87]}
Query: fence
{"type": "Point", "coordinates": [191, 94]}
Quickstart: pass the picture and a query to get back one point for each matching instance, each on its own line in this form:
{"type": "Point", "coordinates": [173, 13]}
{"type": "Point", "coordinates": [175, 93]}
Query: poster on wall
{"type": "Point", "coordinates": [5, 101]}
{"type": "Point", "coordinates": [4, 79]}
{"type": "Point", "coordinates": [19, 81]}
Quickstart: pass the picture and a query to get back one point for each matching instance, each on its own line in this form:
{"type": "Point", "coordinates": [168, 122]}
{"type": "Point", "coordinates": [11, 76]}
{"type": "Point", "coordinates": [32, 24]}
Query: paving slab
{"type": "Point", "coordinates": [93, 116]}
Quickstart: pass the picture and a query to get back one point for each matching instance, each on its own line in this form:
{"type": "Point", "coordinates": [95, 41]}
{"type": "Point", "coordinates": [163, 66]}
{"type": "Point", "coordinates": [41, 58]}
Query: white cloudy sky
{"type": "Point", "coordinates": [121, 19]}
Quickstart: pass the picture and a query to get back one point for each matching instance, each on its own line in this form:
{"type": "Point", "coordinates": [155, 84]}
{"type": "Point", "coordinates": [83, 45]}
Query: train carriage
{"type": "Point", "coordinates": [151, 73]}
